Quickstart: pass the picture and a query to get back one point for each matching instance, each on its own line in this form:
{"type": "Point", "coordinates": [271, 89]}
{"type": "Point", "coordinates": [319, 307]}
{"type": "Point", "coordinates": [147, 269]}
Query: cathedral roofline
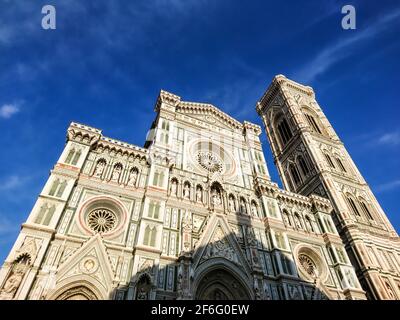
{"type": "Point", "coordinates": [174, 102]}
{"type": "Point", "coordinates": [89, 135]}
{"type": "Point", "coordinates": [277, 82]}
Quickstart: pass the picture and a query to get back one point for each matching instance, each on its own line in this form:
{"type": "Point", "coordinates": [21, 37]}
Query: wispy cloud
{"type": "Point", "coordinates": [8, 110]}
{"type": "Point", "coordinates": [391, 138]}
{"type": "Point", "coordinates": [388, 186]}
{"type": "Point", "coordinates": [343, 48]}
{"type": "Point", "coordinates": [12, 182]}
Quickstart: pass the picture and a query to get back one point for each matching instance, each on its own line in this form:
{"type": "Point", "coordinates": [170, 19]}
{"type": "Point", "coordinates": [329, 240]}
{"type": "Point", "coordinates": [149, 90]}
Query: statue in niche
{"type": "Point", "coordinates": [98, 171]}
{"type": "Point", "coordinates": [231, 204]}
{"type": "Point", "coordinates": [132, 177]}
{"type": "Point", "coordinates": [297, 222]}
{"type": "Point", "coordinates": [116, 173]}
{"type": "Point", "coordinates": [142, 294]}
{"type": "Point", "coordinates": [14, 280]}
{"type": "Point", "coordinates": [199, 196]}
{"type": "Point", "coordinates": [254, 210]}
{"type": "Point", "coordinates": [12, 284]}
{"type": "Point", "coordinates": [216, 197]}
{"type": "Point", "coordinates": [243, 208]}
{"type": "Point", "coordinates": [174, 187]}
{"type": "Point", "coordinates": [186, 191]}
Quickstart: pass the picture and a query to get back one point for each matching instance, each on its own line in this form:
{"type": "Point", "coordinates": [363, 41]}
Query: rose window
{"type": "Point", "coordinates": [308, 265]}
{"type": "Point", "coordinates": [102, 220]}
{"type": "Point", "coordinates": [209, 162]}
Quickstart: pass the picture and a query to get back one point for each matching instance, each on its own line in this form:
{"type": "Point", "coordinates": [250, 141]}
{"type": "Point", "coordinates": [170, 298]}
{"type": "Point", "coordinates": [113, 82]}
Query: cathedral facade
{"type": "Point", "coordinates": [194, 214]}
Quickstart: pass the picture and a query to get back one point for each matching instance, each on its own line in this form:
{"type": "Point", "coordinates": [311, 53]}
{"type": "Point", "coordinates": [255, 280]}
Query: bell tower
{"type": "Point", "coordinates": [311, 159]}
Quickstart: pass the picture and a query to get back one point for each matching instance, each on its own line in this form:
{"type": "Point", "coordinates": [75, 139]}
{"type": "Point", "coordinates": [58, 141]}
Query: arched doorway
{"type": "Point", "coordinates": [220, 284]}
{"type": "Point", "coordinates": [77, 293]}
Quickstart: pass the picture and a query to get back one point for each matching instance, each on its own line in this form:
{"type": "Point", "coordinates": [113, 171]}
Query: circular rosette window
{"type": "Point", "coordinates": [310, 263]}
{"type": "Point", "coordinates": [104, 215]}
{"type": "Point", "coordinates": [210, 157]}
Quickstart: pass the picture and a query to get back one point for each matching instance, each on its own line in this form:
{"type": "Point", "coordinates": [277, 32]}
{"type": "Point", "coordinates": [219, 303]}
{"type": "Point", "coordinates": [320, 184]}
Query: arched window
{"type": "Point", "coordinates": [340, 164]}
{"type": "Point", "coordinates": [45, 214]}
{"type": "Point", "coordinates": [303, 165]}
{"type": "Point", "coordinates": [76, 157]}
{"type": "Point", "coordinates": [284, 131]}
{"type": "Point", "coordinates": [158, 177]}
{"type": "Point", "coordinates": [353, 206]}
{"type": "Point", "coordinates": [329, 160]}
{"type": "Point", "coordinates": [150, 236]}
{"type": "Point", "coordinates": [54, 187]}
{"type": "Point", "coordinates": [329, 225]}
{"type": "Point", "coordinates": [364, 206]}
{"type": "Point", "coordinates": [154, 210]}
{"type": "Point", "coordinates": [295, 175]}
{"type": "Point", "coordinates": [61, 189]}
{"type": "Point", "coordinates": [49, 215]}
{"type": "Point", "coordinates": [313, 124]}
{"type": "Point", "coordinates": [70, 155]}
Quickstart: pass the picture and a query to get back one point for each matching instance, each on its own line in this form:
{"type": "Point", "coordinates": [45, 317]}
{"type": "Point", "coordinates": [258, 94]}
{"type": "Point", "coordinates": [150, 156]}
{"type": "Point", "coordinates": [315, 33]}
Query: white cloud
{"type": "Point", "coordinates": [392, 138]}
{"type": "Point", "coordinates": [8, 110]}
{"type": "Point", "coordinates": [343, 48]}
{"type": "Point", "coordinates": [388, 186]}
{"type": "Point", "coordinates": [11, 183]}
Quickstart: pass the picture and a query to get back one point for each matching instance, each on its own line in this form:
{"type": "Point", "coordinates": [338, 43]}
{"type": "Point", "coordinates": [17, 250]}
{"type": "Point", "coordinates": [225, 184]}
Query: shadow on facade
{"type": "Point", "coordinates": [225, 268]}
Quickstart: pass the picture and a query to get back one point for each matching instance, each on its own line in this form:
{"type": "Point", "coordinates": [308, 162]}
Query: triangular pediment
{"type": "Point", "coordinates": [219, 241]}
{"type": "Point", "coordinates": [209, 114]}
{"type": "Point", "coordinates": [90, 260]}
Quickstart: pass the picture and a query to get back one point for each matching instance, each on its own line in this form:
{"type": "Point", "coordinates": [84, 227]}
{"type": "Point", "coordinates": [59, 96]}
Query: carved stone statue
{"type": "Point", "coordinates": [231, 204]}
{"type": "Point", "coordinates": [13, 282]}
{"type": "Point", "coordinates": [254, 210]}
{"type": "Point", "coordinates": [199, 196]}
{"type": "Point", "coordinates": [186, 191]}
{"type": "Point", "coordinates": [243, 208]}
{"type": "Point", "coordinates": [216, 197]}
{"type": "Point", "coordinates": [99, 169]}
{"type": "Point", "coordinates": [142, 294]}
{"type": "Point", "coordinates": [116, 173]}
{"type": "Point", "coordinates": [132, 178]}
{"type": "Point", "coordinates": [174, 187]}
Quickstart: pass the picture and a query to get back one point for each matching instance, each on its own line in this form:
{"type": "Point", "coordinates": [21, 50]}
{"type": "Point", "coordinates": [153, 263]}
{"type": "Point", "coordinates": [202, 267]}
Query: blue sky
{"type": "Point", "coordinates": [106, 62]}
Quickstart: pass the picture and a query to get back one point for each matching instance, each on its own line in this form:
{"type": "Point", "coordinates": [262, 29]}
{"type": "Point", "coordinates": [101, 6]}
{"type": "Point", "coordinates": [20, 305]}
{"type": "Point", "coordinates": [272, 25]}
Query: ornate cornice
{"type": "Point", "coordinates": [83, 134]}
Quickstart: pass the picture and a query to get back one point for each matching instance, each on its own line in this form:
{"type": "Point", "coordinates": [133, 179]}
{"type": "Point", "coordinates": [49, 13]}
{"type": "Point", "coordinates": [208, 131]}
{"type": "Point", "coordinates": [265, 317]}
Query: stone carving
{"type": "Point", "coordinates": [116, 173]}
{"type": "Point", "coordinates": [99, 168]}
{"type": "Point", "coordinates": [243, 208]}
{"type": "Point", "coordinates": [186, 191]}
{"type": "Point", "coordinates": [231, 204]}
{"type": "Point", "coordinates": [220, 247]}
{"type": "Point", "coordinates": [216, 197]}
{"type": "Point", "coordinates": [132, 177]}
{"type": "Point", "coordinates": [254, 210]}
{"type": "Point", "coordinates": [14, 280]}
{"type": "Point", "coordinates": [142, 294]}
{"type": "Point", "coordinates": [174, 187]}
{"type": "Point", "coordinates": [146, 265]}
{"type": "Point", "coordinates": [199, 194]}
